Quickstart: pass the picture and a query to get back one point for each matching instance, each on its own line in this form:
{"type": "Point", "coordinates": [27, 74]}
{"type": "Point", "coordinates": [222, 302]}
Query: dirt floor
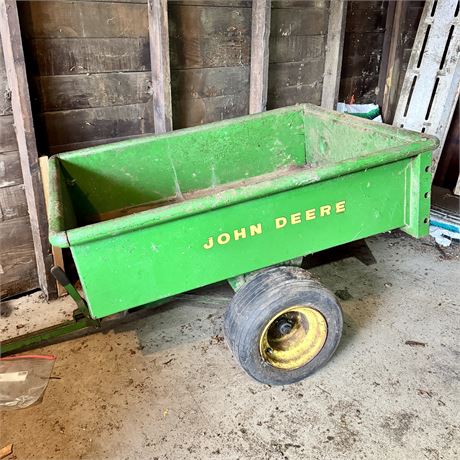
{"type": "Point", "coordinates": [165, 386]}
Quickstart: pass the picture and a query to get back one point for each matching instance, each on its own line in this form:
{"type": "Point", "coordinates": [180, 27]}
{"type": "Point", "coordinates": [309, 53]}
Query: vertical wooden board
{"type": "Point", "coordinates": [333, 61]}
{"type": "Point", "coordinates": [22, 114]}
{"type": "Point", "coordinates": [258, 80]}
{"type": "Point", "coordinates": [17, 258]}
{"type": "Point", "coordinates": [393, 68]}
{"type": "Point", "coordinates": [159, 59]}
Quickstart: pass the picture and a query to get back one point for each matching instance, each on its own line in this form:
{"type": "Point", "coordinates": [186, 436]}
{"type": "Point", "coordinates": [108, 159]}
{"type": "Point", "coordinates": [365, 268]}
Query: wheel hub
{"type": "Point", "coordinates": [293, 337]}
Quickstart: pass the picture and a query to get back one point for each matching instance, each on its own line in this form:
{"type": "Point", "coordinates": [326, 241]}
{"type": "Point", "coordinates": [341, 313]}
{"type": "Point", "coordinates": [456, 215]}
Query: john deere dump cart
{"type": "Point", "coordinates": [149, 218]}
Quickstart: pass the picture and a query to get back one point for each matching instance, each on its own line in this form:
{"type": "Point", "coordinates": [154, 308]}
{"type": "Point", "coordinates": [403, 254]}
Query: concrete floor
{"type": "Point", "coordinates": [166, 387]}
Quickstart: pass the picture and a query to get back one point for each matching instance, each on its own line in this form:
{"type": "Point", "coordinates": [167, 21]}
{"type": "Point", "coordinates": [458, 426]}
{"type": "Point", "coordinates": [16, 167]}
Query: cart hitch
{"type": "Point", "coordinates": [81, 320]}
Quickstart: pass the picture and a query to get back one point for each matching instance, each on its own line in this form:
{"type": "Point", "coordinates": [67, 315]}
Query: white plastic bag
{"type": "Point", "coordinates": [23, 380]}
{"type": "Point", "coordinates": [369, 111]}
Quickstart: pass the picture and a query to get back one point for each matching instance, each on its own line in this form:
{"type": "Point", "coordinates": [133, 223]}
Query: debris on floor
{"type": "Point", "coordinates": [5, 451]}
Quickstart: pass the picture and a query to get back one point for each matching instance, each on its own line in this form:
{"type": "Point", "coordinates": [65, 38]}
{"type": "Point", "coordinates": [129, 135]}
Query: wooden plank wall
{"type": "Point", "coordinates": [297, 51]}
{"type": "Point", "coordinates": [89, 76]}
{"type": "Point", "coordinates": [89, 64]}
{"type": "Point", "coordinates": [18, 272]}
{"type": "Point", "coordinates": [364, 33]}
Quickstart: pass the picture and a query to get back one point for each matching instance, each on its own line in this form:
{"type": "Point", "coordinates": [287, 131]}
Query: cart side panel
{"type": "Point", "coordinates": [135, 268]}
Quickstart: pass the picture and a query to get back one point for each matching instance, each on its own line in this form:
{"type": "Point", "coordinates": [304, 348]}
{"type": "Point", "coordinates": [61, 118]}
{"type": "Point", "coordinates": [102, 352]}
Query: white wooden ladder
{"type": "Point", "coordinates": [432, 82]}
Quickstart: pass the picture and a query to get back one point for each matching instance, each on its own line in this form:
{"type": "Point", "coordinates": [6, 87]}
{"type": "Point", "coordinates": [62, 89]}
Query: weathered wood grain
{"type": "Point", "coordinates": [306, 20]}
{"type": "Point", "coordinates": [295, 73]}
{"type": "Point", "coordinates": [12, 202]}
{"type": "Point", "coordinates": [83, 19]}
{"type": "Point", "coordinates": [211, 82]}
{"type": "Point", "coordinates": [22, 114]}
{"type": "Point", "coordinates": [68, 56]}
{"type": "Point", "coordinates": [258, 78]}
{"type": "Point", "coordinates": [333, 59]}
{"type": "Point", "coordinates": [17, 258]}
{"type": "Point", "coordinates": [363, 88]}
{"type": "Point", "coordinates": [192, 112]}
{"type": "Point", "coordinates": [366, 16]}
{"type": "Point", "coordinates": [159, 59]}
{"type": "Point", "coordinates": [10, 169]}
{"type": "Point", "coordinates": [192, 22]}
{"type": "Point", "coordinates": [5, 96]}
{"type": "Point", "coordinates": [297, 48]}
{"type": "Point", "coordinates": [67, 92]}
{"type": "Point", "coordinates": [210, 52]}
{"type": "Point", "coordinates": [291, 95]}
{"type": "Point", "coordinates": [73, 126]}
{"type": "Point", "coordinates": [8, 140]}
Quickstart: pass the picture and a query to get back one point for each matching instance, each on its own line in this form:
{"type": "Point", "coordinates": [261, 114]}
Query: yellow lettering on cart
{"type": "Point", "coordinates": [223, 238]}
{"type": "Point", "coordinates": [239, 233]}
{"type": "Point", "coordinates": [280, 222]}
{"type": "Point", "coordinates": [295, 218]}
{"type": "Point", "coordinates": [209, 244]}
{"type": "Point", "coordinates": [310, 214]}
{"type": "Point", "coordinates": [340, 207]}
{"type": "Point", "coordinates": [325, 210]}
{"type": "Point", "coordinates": [255, 229]}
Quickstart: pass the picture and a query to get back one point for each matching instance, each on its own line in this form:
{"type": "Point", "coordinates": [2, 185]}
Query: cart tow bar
{"type": "Point", "coordinates": [81, 320]}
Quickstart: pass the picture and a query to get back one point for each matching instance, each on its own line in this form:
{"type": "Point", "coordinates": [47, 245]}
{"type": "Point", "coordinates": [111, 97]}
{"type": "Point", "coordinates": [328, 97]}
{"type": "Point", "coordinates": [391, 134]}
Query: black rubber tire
{"type": "Point", "coordinates": [258, 301]}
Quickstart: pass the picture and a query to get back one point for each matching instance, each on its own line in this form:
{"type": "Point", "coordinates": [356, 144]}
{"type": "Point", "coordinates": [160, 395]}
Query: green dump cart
{"type": "Point", "coordinates": [149, 218]}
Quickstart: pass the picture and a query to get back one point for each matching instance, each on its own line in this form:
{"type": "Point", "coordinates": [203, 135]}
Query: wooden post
{"type": "Point", "coordinates": [387, 39]}
{"type": "Point", "coordinates": [334, 51]}
{"type": "Point", "coordinates": [390, 69]}
{"type": "Point", "coordinates": [25, 134]}
{"type": "Point", "coordinates": [258, 82]}
{"type": "Point", "coordinates": [58, 257]}
{"type": "Point", "coordinates": [159, 61]}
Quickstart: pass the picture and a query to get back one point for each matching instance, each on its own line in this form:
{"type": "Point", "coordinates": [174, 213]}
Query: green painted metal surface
{"type": "Point", "coordinates": [149, 218]}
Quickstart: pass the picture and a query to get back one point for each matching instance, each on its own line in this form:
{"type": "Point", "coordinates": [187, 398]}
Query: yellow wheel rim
{"type": "Point", "coordinates": [293, 337]}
